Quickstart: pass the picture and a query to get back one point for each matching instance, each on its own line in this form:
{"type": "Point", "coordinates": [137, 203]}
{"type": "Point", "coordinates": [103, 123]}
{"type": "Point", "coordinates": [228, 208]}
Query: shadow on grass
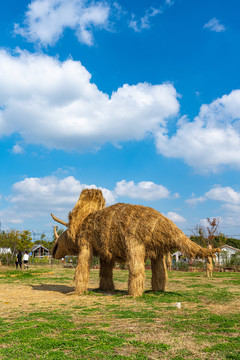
{"type": "Point", "coordinates": [108, 292]}
{"type": "Point", "coordinates": [64, 289]}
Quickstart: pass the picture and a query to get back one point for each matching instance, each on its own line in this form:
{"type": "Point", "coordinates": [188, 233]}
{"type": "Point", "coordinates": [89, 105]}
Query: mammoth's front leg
{"type": "Point", "coordinates": [159, 273]}
{"type": "Point", "coordinates": [136, 258]}
{"type": "Point", "coordinates": [83, 268]}
{"type": "Point", "coordinates": [106, 274]}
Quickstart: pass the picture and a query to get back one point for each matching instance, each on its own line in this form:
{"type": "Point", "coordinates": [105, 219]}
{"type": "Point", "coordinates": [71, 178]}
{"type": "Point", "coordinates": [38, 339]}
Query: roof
{"type": "Point", "coordinates": [35, 247]}
{"type": "Point", "coordinates": [230, 248]}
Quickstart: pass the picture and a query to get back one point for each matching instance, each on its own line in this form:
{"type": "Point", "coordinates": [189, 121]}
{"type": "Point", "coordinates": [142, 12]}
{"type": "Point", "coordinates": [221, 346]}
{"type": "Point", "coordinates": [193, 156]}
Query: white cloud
{"type": "Point", "coordinates": [195, 201]}
{"type": "Point", "coordinates": [36, 198]}
{"type": "Point", "coordinates": [144, 22]}
{"type": "Point", "coordinates": [145, 190]}
{"type": "Point", "coordinates": [46, 20]}
{"type": "Point", "coordinates": [215, 25]}
{"type": "Point", "coordinates": [54, 104]}
{"type": "Point", "coordinates": [224, 194]}
{"type": "Point", "coordinates": [176, 218]}
{"type": "Point", "coordinates": [17, 149]}
{"type": "Point", "coordinates": [42, 193]}
{"type": "Point", "coordinates": [209, 142]}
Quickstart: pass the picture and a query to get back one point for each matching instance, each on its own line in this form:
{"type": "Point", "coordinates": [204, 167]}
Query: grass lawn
{"type": "Point", "coordinates": [42, 318]}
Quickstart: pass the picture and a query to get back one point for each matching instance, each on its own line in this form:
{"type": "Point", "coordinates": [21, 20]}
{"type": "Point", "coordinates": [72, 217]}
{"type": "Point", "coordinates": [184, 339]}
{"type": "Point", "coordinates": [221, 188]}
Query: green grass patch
{"type": "Point", "coordinates": [116, 326]}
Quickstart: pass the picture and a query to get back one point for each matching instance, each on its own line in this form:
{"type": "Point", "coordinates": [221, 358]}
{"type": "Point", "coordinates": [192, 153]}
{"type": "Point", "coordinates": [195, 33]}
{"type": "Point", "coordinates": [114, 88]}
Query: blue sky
{"type": "Point", "coordinates": [140, 99]}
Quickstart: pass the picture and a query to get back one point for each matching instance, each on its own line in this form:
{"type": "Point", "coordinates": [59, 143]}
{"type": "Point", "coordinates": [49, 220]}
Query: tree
{"type": "Point", "coordinates": [15, 240]}
{"type": "Point", "coordinates": [212, 230]}
{"type": "Point", "coordinates": [199, 235]}
{"type": "Point", "coordinates": [25, 240]}
{"type": "Point", "coordinates": [208, 235]}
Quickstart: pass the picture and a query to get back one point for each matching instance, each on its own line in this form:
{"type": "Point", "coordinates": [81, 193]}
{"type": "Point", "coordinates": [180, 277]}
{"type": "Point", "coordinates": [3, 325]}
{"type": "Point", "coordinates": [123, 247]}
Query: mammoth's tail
{"type": "Point", "coordinates": [193, 250]}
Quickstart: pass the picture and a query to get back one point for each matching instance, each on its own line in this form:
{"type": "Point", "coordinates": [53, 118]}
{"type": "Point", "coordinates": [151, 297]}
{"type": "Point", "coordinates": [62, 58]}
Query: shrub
{"type": "Point", "coordinates": [7, 259]}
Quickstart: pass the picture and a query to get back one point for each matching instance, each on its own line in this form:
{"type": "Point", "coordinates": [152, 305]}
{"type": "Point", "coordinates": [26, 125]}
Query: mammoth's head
{"type": "Point", "coordinates": [64, 244]}
{"type": "Point", "coordinates": [89, 201]}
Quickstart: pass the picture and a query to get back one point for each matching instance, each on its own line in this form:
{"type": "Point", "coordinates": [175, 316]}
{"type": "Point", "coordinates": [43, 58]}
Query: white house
{"type": "Point", "coordinates": [5, 251]}
{"type": "Point", "coordinates": [226, 253]}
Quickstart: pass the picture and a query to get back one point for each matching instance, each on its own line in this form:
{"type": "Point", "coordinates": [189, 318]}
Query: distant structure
{"type": "Point", "coordinates": [39, 250]}
{"type": "Point", "coordinates": [226, 253]}
{"type": "Point", "coordinates": [5, 250]}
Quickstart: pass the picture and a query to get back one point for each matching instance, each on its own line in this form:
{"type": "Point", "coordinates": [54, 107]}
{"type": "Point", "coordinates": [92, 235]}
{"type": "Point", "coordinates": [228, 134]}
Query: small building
{"type": "Point", "coordinates": [227, 252]}
{"type": "Point", "coordinates": [5, 250]}
{"type": "Point", "coordinates": [39, 250]}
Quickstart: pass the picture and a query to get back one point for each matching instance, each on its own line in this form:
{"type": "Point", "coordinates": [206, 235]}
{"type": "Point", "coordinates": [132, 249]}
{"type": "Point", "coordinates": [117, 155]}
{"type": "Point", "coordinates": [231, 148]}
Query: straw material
{"type": "Point", "coordinates": [106, 274]}
{"type": "Point", "coordinates": [209, 264]}
{"type": "Point", "coordinates": [168, 259]}
{"type": "Point", "coordinates": [159, 273]}
{"type": "Point", "coordinates": [67, 243]}
{"type": "Point", "coordinates": [124, 233]}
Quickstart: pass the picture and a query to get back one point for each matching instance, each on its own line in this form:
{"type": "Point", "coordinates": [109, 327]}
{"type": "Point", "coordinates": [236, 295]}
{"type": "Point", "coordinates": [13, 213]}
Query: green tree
{"type": "Point", "coordinates": [15, 240]}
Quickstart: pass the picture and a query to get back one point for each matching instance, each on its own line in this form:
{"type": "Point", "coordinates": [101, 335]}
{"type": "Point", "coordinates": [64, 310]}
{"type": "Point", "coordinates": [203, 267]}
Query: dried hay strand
{"type": "Point", "coordinates": [89, 201]}
{"type": "Point", "coordinates": [67, 243]}
{"type": "Point", "coordinates": [124, 233]}
{"type": "Point", "coordinates": [159, 273]}
{"type": "Point", "coordinates": [209, 264]}
{"type": "Point", "coordinates": [106, 274]}
{"type": "Point", "coordinates": [83, 269]}
{"type": "Point", "coordinates": [112, 229]}
{"type": "Point", "coordinates": [168, 259]}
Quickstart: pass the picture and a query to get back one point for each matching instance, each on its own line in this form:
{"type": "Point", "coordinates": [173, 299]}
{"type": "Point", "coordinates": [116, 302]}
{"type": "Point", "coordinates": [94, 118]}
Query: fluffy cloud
{"type": "Point", "coordinates": [209, 142]}
{"type": "Point", "coordinates": [176, 218]}
{"type": "Point", "coordinates": [55, 104]}
{"type": "Point", "coordinates": [226, 195]}
{"type": "Point", "coordinates": [38, 197]}
{"type": "Point", "coordinates": [34, 198]}
{"type": "Point", "coordinates": [41, 193]}
{"type": "Point", "coordinates": [215, 25]}
{"type": "Point", "coordinates": [46, 20]}
{"type": "Point", "coordinates": [17, 149]}
{"type": "Point", "coordinates": [145, 190]}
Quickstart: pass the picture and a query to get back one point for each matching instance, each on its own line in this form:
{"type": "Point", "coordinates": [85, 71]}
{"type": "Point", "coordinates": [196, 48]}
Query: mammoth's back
{"type": "Point", "coordinates": [112, 228]}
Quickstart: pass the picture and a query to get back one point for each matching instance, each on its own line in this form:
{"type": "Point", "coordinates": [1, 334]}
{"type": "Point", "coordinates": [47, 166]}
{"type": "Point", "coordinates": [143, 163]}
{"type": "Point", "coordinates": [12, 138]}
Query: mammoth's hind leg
{"type": "Point", "coordinates": [83, 268]}
{"type": "Point", "coordinates": [159, 273]}
{"type": "Point", "coordinates": [106, 274]}
{"type": "Point", "coordinates": [136, 258]}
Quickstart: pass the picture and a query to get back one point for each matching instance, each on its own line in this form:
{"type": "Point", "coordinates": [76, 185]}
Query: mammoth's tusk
{"type": "Point", "coordinates": [59, 221]}
{"type": "Point", "coordinates": [55, 233]}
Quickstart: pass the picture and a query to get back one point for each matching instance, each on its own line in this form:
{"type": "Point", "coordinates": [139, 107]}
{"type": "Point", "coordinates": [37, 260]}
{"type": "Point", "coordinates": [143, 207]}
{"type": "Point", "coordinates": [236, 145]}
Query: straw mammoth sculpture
{"type": "Point", "coordinates": [122, 233]}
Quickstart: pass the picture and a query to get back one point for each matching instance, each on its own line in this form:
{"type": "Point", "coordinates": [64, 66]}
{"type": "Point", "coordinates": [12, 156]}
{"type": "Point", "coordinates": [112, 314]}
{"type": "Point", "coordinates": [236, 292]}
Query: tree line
{"type": "Point", "coordinates": [16, 240]}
